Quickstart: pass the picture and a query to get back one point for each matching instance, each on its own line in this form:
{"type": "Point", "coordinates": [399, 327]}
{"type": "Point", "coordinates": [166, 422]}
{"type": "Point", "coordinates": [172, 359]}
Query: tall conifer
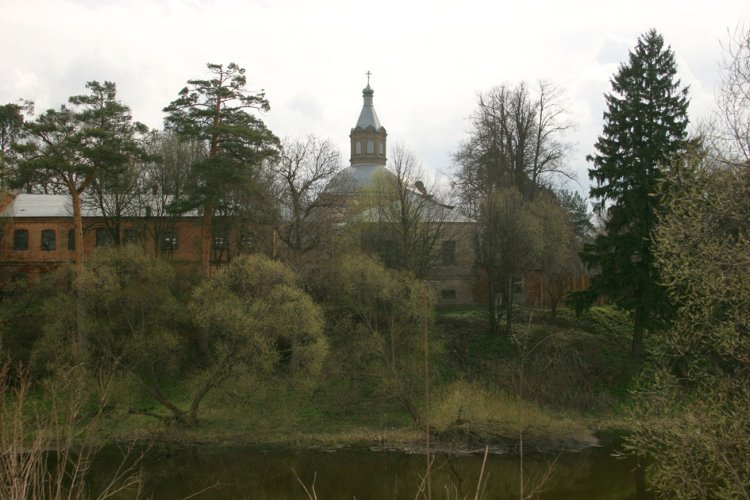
{"type": "Point", "coordinates": [216, 113]}
{"type": "Point", "coordinates": [644, 130]}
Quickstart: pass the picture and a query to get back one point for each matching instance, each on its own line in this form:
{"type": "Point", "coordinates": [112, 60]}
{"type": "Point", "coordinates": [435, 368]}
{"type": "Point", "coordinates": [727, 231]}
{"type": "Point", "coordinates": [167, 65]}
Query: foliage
{"type": "Point", "coordinates": [377, 318]}
{"type": "Point", "coordinates": [215, 112]}
{"type": "Point", "coordinates": [510, 242]}
{"type": "Point", "coordinates": [691, 415]}
{"type": "Point", "coordinates": [578, 212]}
{"type": "Point", "coordinates": [126, 315]}
{"type": "Point", "coordinates": [250, 318]}
{"type": "Point", "coordinates": [558, 260]}
{"type": "Point", "coordinates": [571, 363]}
{"type": "Point", "coordinates": [644, 130]}
{"type": "Point", "coordinates": [11, 127]}
{"type": "Point", "coordinates": [253, 316]}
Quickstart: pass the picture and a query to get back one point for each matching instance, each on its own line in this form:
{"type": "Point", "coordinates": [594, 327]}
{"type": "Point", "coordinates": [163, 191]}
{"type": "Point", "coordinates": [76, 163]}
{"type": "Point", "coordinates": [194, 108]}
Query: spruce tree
{"type": "Point", "coordinates": [644, 131]}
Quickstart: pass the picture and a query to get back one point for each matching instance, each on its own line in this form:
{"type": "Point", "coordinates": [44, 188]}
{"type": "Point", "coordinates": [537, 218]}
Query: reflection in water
{"type": "Point", "coordinates": [363, 474]}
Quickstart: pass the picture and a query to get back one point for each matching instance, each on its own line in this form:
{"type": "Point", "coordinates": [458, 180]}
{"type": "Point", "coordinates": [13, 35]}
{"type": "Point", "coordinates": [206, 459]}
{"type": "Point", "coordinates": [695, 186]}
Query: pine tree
{"type": "Point", "coordinates": [215, 113]}
{"type": "Point", "coordinates": [644, 131]}
{"type": "Point", "coordinates": [69, 149]}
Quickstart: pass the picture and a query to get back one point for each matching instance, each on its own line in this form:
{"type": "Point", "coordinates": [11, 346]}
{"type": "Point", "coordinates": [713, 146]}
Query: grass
{"type": "Point", "coordinates": [492, 412]}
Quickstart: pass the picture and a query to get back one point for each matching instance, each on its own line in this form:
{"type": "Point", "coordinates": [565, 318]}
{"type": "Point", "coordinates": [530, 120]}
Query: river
{"type": "Point", "coordinates": [250, 473]}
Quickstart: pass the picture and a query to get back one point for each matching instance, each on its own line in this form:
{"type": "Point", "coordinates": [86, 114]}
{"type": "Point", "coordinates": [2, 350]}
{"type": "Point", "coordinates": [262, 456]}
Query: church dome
{"type": "Point", "coordinates": [368, 137]}
{"type": "Point", "coordinates": [355, 178]}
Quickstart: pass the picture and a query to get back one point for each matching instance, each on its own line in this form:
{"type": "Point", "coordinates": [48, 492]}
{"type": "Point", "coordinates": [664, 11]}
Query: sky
{"type": "Point", "coordinates": [429, 59]}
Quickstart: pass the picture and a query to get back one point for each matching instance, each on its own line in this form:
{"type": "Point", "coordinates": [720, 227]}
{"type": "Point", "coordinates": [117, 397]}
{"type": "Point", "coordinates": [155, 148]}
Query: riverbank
{"type": "Point", "coordinates": [575, 384]}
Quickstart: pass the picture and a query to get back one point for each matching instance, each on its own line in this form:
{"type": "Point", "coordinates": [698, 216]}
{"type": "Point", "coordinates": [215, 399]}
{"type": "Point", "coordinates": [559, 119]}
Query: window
{"type": "Point", "coordinates": [358, 148]}
{"type": "Point", "coordinates": [449, 253]}
{"type": "Point", "coordinates": [71, 239]}
{"type": "Point", "coordinates": [219, 240]}
{"type": "Point", "coordinates": [48, 239]}
{"type": "Point", "coordinates": [20, 239]}
{"type": "Point", "coordinates": [169, 242]}
{"type": "Point", "coordinates": [131, 237]}
{"type": "Point", "coordinates": [381, 148]}
{"type": "Point", "coordinates": [517, 285]}
{"type": "Point", "coordinates": [104, 238]}
{"type": "Point", "coordinates": [246, 242]}
{"type": "Point", "coordinates": [370, 147]}
{"type": "Point", "coordinates": [448, 294]}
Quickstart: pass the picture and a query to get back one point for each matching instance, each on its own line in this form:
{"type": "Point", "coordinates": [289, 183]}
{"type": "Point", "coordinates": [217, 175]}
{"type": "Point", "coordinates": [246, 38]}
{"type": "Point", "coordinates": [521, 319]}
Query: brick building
{"type": "Point", "coordinates": [37, 229]}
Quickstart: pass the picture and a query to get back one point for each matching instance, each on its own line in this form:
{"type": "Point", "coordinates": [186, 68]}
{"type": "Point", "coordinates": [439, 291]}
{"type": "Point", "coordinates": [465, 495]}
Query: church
{"type": "Point", "coordinates": [37, 229]}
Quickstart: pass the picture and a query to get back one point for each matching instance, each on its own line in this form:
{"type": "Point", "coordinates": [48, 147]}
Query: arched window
{"type": "Point", "coordinates": [381, 149]}
{"type": "Point", "coordinates": [49, 237]}
{"type": "Point", "coordinates": [370, 147]}
{"type": "Point", "coordinates": [20, 239]}
{"type": "Point", "coordinates": [358, 148]}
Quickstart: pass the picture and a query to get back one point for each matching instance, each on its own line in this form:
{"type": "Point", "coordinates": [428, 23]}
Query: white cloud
{"type": "Point", "coordinates": [429, 58]}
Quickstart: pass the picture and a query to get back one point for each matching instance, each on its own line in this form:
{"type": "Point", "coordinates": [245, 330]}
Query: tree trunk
{"type": "Point", "coordinates": [636, 351]}
{"type": "Point", "coordinates": [206, 239]}
{"type": "Point", "coordinates": [508, 304]}
{"type": "Point", "coordinates": [81, 347]}
{"type": "Point", "coordinates": [491, 303]}
{"type": "Point", "coordinates": [75, 198]}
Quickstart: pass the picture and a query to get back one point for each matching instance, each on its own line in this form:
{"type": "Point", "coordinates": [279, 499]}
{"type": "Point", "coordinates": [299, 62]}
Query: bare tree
{"type": "Point", "coordinates": [403, 220]}
{"type": "Point", "coordinates": [302, 172]}
{"type": "Point", "coordinates": [161, 182]}
{"type": "Point", "coordinates": [732, 127]}
{"type": "Point", "coordinates": [517, 139]}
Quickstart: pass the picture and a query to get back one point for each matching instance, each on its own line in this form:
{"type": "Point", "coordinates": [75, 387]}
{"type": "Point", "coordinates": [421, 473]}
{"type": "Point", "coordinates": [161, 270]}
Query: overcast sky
{"type": "Point", "coordinates": [428, 59]}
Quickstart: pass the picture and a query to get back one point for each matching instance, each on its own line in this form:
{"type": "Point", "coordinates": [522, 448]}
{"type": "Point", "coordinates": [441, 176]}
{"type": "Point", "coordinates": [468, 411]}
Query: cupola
{"type": "Point", "coordinates": [368, 136]}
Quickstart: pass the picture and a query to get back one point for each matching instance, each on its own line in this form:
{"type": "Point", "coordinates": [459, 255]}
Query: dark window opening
{"type": "Point", "coordinates": [169, 242]}
{"type": "Point", "coordinates": [517, 286]}
{"type": "Point", "coordinates": [49, 239]}
{"type": "Point", "coordinates": [449, 253]}
{"type": "Point", "coordinates": [104, 238]}
{"type": "Point", "coordinates": [131, 237]}
{"type": "Point", "coordinates": [20, 239]}
{"type": "Point", "coordinates": [71, 239]}
{"type": "Point", "coordinates": [219, 241]}
{"type": "Point", "coordinates": [246, 242]}
{"type": "Point", "coordinates": [448, 294]}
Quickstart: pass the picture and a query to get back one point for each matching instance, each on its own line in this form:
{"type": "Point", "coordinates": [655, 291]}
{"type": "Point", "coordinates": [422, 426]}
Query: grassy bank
{"type": "Point", "coordinates": [573, 381]}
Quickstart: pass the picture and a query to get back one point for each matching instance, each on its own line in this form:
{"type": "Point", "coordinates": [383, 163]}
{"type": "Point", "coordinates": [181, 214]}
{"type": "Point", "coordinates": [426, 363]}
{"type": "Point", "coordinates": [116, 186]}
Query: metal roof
{"type": "Point", "coordinates": [60, 205]}
{"type": "Point", "coordinates": [42, 205]}
{"type": "Point", "coordinates": [368, 117]}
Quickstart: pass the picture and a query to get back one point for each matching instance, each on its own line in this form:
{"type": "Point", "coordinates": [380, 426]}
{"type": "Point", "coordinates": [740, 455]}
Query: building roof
{"type": "Point", "coordinates": [357, 177]}
{"type": "Point", "coordinates": [26, 205]}
{"type": "Point", "coordinates": [42, 205]}
{"type": "Point", "coordinates": [368, 117]}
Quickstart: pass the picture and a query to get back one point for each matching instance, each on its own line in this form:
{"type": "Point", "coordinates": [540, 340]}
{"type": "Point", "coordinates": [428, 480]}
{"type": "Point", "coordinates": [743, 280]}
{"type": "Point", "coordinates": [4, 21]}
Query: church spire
{"type": "Point", "coordinates": [368, 136]}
